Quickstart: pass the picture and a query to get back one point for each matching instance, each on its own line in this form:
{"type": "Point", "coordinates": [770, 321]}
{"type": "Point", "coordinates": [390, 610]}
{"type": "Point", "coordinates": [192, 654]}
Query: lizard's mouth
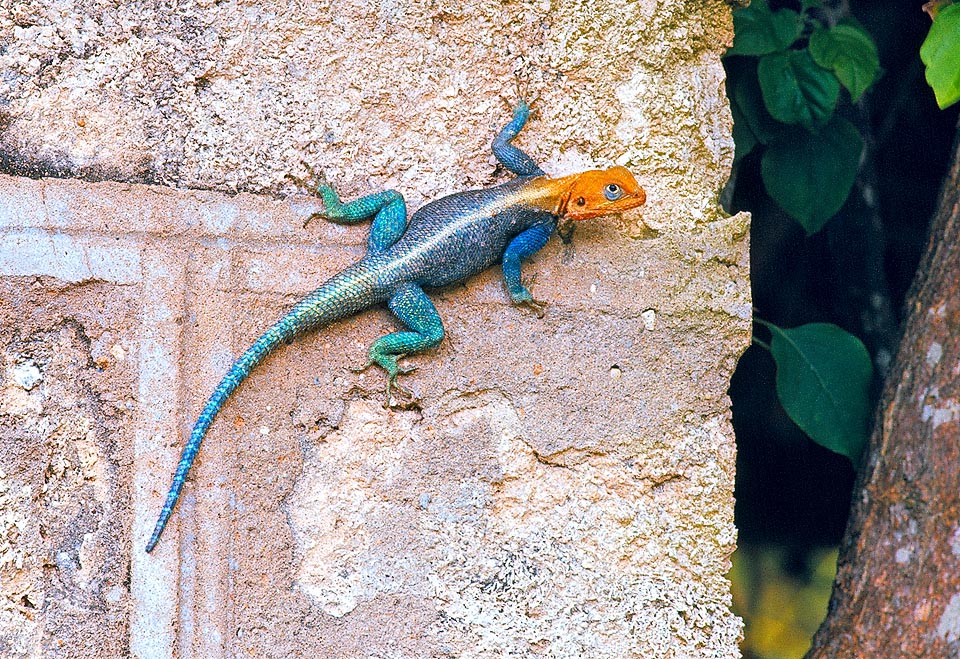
{"type": "Point", "coordinates": [579, 208]}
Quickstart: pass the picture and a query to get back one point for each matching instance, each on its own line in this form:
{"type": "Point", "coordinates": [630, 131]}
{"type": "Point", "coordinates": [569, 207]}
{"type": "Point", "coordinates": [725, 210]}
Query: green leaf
{"type": "Point", "coordinates": [758, 31]}
{"type": "Point", "coordinates": [796, 90]}
{"type": "Point", "coordinates": [752, 124]}
{"type": "Point", "coordinates": [806, 5]}
{"type": "Point", "coordinates": [823, 382]}
{"type": "Point", "coordinates": [810, 175]}
{"type": "Point", "coordinates": [940, 53]}
{"type": "Point", "coordinates": [850, 53]}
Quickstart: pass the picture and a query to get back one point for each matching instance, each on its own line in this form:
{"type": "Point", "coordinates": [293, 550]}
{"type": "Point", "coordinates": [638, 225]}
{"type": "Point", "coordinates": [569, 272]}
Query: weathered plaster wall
{"type": "Point", "coordinates": [563, 489]}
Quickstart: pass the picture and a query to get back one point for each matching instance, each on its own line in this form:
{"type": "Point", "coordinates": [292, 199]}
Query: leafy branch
{"type": "Point", "coordinates": [823, 382]}
{"type": "Point", "coordinates": [785, 72]}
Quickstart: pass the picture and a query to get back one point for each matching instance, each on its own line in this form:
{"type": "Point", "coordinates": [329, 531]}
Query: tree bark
{"type": "Point", "coordinates": [897, 591]}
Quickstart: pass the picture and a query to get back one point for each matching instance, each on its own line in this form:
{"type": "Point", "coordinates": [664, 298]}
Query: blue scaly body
{"type": "Point", "coordinates": [444, 242]}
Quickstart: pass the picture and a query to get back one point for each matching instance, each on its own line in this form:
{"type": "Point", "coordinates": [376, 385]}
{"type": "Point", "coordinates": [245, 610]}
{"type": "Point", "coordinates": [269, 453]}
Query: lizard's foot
{"type": "Point", "coordinates": [360, 369]}
{"type": "Point", "coordinates": [394, 370]}
{"type": "Point", "coordinates": [299, 182]}
{"type": "Point", "coordinates": [522, 73]}
{"type": "Point", "coordinates": [522, 297]}
{"type": "Point", "coordinates": [315, 182]}
{"type": "Point", "coordinates": [392, 385]}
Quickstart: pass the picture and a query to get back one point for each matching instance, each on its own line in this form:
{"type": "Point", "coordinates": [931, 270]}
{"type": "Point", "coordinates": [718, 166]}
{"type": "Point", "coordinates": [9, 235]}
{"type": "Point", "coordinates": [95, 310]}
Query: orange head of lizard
{"type": "Point", "coordinates": [601, 192]}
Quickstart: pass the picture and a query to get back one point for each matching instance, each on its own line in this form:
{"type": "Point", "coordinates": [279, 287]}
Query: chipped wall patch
{"type": "Point", "coordinates": [493, 529]}
{"type": "Point", "coordinates": [61, 507]}
{"type": "Point", "coordinates": [342, 560]}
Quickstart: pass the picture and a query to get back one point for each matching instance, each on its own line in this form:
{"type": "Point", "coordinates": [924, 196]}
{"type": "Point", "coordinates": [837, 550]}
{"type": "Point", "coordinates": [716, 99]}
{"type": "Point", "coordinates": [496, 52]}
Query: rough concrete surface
{"type": "Point", "coordinates": [564, 488]}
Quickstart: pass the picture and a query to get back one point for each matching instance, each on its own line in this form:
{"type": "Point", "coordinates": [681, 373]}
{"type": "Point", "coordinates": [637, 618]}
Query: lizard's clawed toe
{"type": "Point", "coordinates": [360, 369]}
{"type": "Point", "coordinates": [538, 308]}
{"type": "Point", "coordinates": [392, 386]}
{"type": "Point", "coordinates": [313, 216]}
{"type": "Point", "coordinates": [313, 180]}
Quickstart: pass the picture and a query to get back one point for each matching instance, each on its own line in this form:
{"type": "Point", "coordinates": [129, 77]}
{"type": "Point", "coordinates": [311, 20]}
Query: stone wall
{"type": "Point", "coordinates": [563, 486]}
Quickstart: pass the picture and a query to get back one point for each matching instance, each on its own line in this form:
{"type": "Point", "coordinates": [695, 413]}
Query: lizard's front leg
{"type": "Point", "coordinates": [510, 156]}
{"type": "Point", "coordinates": [526, 244]}
{"type": "Point", "coordinates": [415, 310]}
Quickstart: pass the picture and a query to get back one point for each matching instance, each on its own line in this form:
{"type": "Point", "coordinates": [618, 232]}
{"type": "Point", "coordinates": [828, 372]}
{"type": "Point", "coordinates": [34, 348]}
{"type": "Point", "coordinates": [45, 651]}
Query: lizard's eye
{"type": "Point", "coordinates": [612, 192]}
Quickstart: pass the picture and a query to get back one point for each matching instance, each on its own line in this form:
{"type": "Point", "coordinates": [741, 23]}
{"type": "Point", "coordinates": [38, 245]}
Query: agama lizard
{"type": "Point", "coordinates": [444, 242]}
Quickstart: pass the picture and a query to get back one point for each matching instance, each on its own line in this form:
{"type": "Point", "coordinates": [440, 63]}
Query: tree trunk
{"type": "Point", "coordinates": [897, 591]}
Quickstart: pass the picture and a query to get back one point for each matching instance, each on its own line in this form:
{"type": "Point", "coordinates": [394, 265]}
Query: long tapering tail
{"type": "Point", "coordinates": [344, 295]}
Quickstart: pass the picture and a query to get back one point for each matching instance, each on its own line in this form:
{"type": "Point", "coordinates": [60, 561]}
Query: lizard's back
{"type": "Point", "coordinates": [462, 234]}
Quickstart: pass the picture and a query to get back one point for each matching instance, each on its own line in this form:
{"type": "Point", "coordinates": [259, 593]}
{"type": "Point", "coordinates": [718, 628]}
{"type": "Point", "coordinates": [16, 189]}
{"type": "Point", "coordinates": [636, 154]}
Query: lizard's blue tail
{"type": "Point", "coordinates": [344, 295]}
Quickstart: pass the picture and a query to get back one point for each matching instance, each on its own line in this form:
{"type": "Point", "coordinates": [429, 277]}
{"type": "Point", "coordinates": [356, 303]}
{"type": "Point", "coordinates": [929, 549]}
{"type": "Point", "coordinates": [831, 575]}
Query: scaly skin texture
{"type": "Point", "coordinates": [445, 242]}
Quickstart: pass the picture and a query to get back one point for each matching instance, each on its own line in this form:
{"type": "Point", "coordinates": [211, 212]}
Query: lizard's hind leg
{"type": "Point", "coordinates": [388, 209]}
{"type": "Point", "coordinates": [415, 310]}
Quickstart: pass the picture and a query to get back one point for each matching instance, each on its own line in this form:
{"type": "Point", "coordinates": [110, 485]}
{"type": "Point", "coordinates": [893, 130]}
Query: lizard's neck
{"type": "Point", "coordinates": [550, 194]}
